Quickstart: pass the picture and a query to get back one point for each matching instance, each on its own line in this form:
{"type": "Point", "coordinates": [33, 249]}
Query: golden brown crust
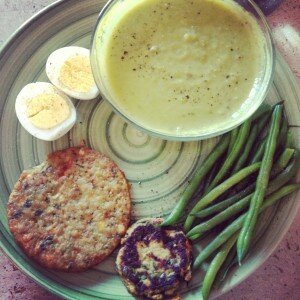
{"type": "Point", "coordinates": [70, 212]}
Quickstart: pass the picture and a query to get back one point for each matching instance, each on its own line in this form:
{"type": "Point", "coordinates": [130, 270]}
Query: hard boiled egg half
{"type": "Point", "coordinates": [44, 111]}
{"type": "Point", "coordinates": [69, 69]}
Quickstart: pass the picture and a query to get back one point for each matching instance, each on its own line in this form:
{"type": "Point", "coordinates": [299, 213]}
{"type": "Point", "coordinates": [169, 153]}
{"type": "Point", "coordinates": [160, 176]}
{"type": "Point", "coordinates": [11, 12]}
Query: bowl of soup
{"type": "Point", "coordinates": [183, 69]}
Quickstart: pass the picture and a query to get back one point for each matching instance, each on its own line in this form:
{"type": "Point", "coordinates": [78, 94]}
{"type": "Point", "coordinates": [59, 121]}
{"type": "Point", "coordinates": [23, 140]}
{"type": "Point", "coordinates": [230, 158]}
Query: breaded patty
{"type": "Point", "coordinates": [153, 260]}
{"type": "Point", "coordinates": [70, 212]}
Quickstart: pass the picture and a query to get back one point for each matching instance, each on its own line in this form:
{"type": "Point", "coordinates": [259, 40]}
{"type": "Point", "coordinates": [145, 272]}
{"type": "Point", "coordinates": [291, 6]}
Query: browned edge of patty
{"type": "Point", "coordinates": [60, 161]}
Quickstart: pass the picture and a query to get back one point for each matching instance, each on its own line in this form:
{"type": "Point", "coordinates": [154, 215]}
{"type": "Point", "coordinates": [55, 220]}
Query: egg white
{"type": "Point", "coordinates": [54, 64]}
{"type": "Point", "coordinates": [32, 90]}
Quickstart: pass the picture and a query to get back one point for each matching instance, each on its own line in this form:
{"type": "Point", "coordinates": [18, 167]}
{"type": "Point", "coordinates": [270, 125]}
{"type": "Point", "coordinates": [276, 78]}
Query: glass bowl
{"type": "Point", "coordinates": [256, 97]}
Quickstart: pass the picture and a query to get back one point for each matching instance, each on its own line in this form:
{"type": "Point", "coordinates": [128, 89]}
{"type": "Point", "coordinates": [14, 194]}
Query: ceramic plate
{"type": "Point", "coordinates": [158, 170]}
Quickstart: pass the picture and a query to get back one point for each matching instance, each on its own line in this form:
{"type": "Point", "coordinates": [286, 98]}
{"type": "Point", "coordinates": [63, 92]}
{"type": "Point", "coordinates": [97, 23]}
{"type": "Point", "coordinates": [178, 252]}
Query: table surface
{"type": "Point", "coordinates": [279, 277]}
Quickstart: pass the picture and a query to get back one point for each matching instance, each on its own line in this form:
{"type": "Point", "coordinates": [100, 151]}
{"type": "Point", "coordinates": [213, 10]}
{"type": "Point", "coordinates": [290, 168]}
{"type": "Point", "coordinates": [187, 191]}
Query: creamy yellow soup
{"type": "Point", "coordinates": [182, 67]}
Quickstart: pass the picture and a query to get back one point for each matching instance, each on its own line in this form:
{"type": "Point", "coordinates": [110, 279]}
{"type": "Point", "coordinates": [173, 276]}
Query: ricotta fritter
{"type": "Point", "coordinates": [70, 212]}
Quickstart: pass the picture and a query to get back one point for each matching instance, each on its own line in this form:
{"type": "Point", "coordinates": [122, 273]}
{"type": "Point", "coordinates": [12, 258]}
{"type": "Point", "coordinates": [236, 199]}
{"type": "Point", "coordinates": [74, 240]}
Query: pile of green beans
{"type": "Point", "coordinates": [227, 238]}
{"type": "Point", "coordinates": [235, 226]}
{"type": "Point", "coordinates": [248, 170]}
{"type": "Point", "coordinates": [217, 191]}
{"type": "Point", "coordinates": [286, 174]}
{"type": "Point", "coordinates": [240, 206]}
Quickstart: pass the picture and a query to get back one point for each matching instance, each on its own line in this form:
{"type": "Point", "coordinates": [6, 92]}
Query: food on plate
{"type": "Point", "coordinates": [69, 69]}
{"type": "Point", "coordinates": [181, 67]}
{"type": "Point", "coordinates": [218, 191]}
{"type": "Point", "coordinates": [234, 201]}
{"type": "Point", "coordinates": [44, 111]}
{"type": "Point", "coordinates": [154, 260]}
{"type": "Point", "coordinates": [229, 236]}
{"type": "Point", "coordinates": [70, 212]}
{"type": "Point", "coordinates": [215, 265]}
{"type": "Point", "coordinates": [237, 204]}
{"type": "Point", "coordinates": [247, 231]}
{"type": "Point", "coordinates": [236, 225]}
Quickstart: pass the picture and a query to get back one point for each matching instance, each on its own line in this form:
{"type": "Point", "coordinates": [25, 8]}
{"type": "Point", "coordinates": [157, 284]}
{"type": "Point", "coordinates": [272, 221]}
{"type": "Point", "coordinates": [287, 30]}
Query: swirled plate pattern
{"type": "Point", "coordinates": [158, 170]}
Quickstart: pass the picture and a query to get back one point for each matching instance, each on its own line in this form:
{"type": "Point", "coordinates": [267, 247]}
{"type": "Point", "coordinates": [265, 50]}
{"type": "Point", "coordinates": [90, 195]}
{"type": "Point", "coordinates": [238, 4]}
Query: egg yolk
{"type": "Point", "coordinates": [76, 74]}
{"type": "Point", "coordinates": [46, 111]}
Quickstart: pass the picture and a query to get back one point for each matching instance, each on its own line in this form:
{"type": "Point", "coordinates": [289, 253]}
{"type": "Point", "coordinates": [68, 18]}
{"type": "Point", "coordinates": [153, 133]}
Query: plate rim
{"type": "Point", "coordinates": [3, 50]}
{"type": "Point", "coordinates": [25, 25]}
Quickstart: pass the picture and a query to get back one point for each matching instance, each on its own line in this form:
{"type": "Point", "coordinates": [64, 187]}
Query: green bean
{"type": "Point", "coordinates": [289, 139]}
{"type": "Point", "coordinates": [282, 192]}
{"type": "Point", "coordinates": [233, 136]}
{"type": "Point", "coordinates": [263, 109]}
{"type": "Point", "coordinates": [229, 231]}
{"type": "Point", "coordinates": [224, 204]}
{"type": "Point", "coordinates": [219, 190]}
{"type": "Point", "coordinates": [286, 174]}
{"type": "Point", "coordinates": [258, 155]}
{"type": "Point", "coordinates": [211, 176]}
{"type": "Point", "coordinates": [236, 225]}
{"type": "Point", "coordinates": [232, 156]}
{"type": "Point", "coordinates": [230, 261]}
{"type": "Point", "coordinates": [263, 121]}
{"type": "Point", "coordinates": [208, 163]}
{"type": "Point", "coordinates": [262, 181]}
{"type": "Point", "coordinates": [246, 153]}
{"type": "Point", "coordinates": [283, 160]}
{"type": "Point", "coordinates": [259, 152]}
{"type": "Point", "coordinates": [226, 214]}
{"type": "Point", "coordinates": [215, 266]}
{"type": "Point", "coordinates": [243, 158]}
{"type": "Point", "coordinates": [283, 132]}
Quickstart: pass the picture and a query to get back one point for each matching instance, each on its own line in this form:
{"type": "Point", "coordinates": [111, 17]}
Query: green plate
{"type": "Point", "coordinates": [158, 170]}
